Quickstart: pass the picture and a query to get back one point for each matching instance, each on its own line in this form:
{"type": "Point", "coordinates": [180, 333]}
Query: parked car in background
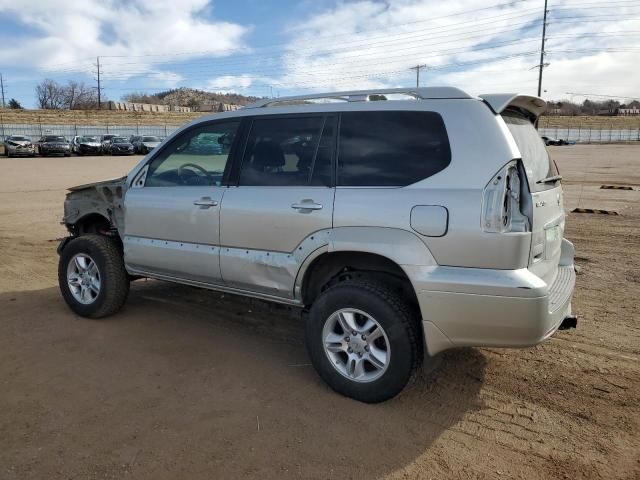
{"type": "Point", "coordinates": [54, 145]}
{"type": "Point", "coordinates": [86, 145]}
{"type": "Point", "coordinates": [399, 233]}
{"type": "Point", "coordinates": [134, 138]}
{"type": "Point", "coordinates": [146, 143]}
{"type": "Point", "coordinates": [18, 145]}
{"type": "Point", "coordinates": [553, 141]}
{"type": "Point", "coordinates": [104, 140]}
{"type": "Point", "coordinates": [119, 146]}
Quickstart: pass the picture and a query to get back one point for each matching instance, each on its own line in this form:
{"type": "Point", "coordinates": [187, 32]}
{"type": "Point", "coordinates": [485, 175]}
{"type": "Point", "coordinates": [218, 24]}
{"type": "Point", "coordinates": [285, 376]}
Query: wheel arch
{"type": "Point", "coordinates": [328, 268]}
{"type": "Point", "coordinates": [92, 222]}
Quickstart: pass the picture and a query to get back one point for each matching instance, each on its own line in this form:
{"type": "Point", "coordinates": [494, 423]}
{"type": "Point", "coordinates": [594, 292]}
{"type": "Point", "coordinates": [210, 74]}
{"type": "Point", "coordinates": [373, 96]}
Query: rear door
{"type": "Point", "coordinates": [172, 210]}
{"type": "Point", "coordinates": [546, 191]}
{"type": "Point", "coordinates": [283, 195]}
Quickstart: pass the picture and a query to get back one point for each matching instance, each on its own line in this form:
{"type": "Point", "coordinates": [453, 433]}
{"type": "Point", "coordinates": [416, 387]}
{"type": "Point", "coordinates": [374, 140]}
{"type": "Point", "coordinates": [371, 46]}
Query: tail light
{"type": "Point", "coordinates": [506, 202]}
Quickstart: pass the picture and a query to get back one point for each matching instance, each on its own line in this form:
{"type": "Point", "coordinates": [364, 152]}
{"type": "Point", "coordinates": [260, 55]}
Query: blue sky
{"type": "Point", "coordinates": [295, 46]}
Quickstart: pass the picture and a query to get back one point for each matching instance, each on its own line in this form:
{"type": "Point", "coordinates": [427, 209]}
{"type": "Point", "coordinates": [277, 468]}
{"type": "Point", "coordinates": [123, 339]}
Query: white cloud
{"type": "Point", "coordinates": [71, 32]}
{"type": "Point", "coordinates": [355, 43]}
{"type": "Point", "coordinates": [230, 83]}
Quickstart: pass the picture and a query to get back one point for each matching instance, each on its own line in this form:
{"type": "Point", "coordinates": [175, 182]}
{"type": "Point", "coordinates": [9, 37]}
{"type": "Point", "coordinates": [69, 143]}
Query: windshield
{"type": "Point", "coordinates": [120, 140]}
{"type": "Point", "coordinates": [150, 139]}
{"type": "Point", "coordinates": [52, 138]}
{"type": "Point", "coordinates": [18, 138]}
{"type": "Point", "coordinates": [88, 139]}
{"type": "Point", "coordinates": [536, 159]}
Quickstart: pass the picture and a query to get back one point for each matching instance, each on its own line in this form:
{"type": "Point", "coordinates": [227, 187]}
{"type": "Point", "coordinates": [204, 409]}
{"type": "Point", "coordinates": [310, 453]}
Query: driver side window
{"type": "Point", "coordinates": [198, 157]}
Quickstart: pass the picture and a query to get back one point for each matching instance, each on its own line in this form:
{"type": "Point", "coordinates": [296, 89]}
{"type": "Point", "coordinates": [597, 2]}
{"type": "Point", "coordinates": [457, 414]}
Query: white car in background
{"type": "Point", "coordinates": [86, 145]}
{"type": "Point", "coordinates": [19, 146]}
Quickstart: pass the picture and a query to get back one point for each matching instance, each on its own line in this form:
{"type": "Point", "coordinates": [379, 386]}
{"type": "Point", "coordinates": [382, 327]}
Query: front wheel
{"type": "Point", "coordinates": [363, 340]}
{"type": "Point", "coordinates": [92, 277]}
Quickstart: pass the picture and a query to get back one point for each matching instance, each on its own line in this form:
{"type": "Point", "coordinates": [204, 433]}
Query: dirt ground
{"type": "Point", "coordinates": [187, 383]}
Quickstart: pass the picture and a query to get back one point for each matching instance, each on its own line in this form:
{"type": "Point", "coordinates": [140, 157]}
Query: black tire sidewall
{"type": "Point", "coordinates": [82, 245]}
{"type": "Point", "coordinates": [402, 348]}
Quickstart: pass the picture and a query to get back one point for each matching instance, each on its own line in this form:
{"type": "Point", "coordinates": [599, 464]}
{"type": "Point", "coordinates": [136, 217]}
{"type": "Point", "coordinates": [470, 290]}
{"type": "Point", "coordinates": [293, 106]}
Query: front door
{"type": "Point", "coordinates": [172, 211]}
{"type": "Point", "coordinates": [283, 196]}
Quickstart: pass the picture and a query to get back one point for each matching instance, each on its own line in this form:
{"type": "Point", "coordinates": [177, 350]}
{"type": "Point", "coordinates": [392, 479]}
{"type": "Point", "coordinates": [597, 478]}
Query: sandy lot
{"type": "Point", "coordinates": [187, 383]}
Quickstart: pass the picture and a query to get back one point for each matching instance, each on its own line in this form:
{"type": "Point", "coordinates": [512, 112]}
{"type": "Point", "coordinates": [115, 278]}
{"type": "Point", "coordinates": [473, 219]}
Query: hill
{"type": "Point", "coordinates": [198, 100]}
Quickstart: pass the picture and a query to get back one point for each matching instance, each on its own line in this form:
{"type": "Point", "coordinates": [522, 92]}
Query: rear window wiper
{"type": "Point", "coordinates": [553, 179]}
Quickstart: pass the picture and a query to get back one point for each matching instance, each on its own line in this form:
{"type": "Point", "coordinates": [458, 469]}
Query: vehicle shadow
{"type": "Point", "coordinates": [190, 383]}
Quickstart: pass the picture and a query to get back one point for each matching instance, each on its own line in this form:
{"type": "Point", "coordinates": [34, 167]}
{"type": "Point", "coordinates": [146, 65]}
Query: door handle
{"type": "Point", "coordinates": [306, 206]}
{"type": "Point", "coordinates": [206, 202]}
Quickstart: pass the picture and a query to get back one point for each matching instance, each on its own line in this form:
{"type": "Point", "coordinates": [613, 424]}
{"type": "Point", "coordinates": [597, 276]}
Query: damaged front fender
{"type": "Point", "coordinates": [104, 198]}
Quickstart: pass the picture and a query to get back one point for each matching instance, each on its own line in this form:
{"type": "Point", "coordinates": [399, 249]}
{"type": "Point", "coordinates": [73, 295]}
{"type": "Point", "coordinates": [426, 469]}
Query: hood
{"type": "Point", "coordinates": [55, 142]}
{"type": "Point", "coordinates": [123, 144]}
{"type": "Point", "coordinates": [19, 142]}
{"type": "Point", "coordinates": [151, 144]}
{"type": "Point", "coordinates": [115, 182]}
{"type": "Point", "coordinates": [90, 144]}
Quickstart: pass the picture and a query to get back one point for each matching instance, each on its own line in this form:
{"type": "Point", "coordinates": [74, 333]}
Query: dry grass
{"type": "Point", "coordinates": [588, 121]}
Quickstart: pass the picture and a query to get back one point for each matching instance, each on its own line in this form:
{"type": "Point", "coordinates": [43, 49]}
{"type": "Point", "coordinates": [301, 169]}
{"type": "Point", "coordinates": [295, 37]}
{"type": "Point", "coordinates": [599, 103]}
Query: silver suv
{"type": "Point", "coordinates": [405, 222]}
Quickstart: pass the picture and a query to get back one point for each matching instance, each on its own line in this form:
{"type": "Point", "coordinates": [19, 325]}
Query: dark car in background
{"type": "Point", "coordinates": [86, 145]}
{"type": "Point", "coordinates": [18, 145]}
{"type": "Point", "coordinates": [144, 144]}
{"type": "Point", "coordinates": [54, 145]}
{"type": "Point", "coordinates": [119, 146]}
{"type": "Point", "coordinates": [104, 141]}
{"type": "Point", "coordinates": [553, 141]}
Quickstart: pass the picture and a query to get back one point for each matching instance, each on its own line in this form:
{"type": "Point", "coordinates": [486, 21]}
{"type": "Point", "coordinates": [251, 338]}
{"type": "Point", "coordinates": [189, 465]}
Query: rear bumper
{"type": "Point", "coordinates": [497, 308]}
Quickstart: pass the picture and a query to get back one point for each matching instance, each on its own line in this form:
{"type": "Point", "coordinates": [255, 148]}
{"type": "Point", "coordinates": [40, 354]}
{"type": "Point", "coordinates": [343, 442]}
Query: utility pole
{"type": "Point", "coordinates": [2, 88]}
{"type": "Point", "coordinates": [417, 69]}
{"type": "Point", "coordinates": [99, 87]}
{"type": "Point", "coordinates": [544, 32]}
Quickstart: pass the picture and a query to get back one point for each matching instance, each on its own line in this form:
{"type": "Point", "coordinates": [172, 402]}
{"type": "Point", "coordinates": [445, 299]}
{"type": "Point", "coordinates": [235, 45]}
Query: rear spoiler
{"type": "Point", "coordinates": [498, 102]}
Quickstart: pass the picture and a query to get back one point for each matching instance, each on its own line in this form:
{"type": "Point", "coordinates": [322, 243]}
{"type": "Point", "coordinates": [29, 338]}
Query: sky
{"type": "Point", "coordinates": [288, 47]}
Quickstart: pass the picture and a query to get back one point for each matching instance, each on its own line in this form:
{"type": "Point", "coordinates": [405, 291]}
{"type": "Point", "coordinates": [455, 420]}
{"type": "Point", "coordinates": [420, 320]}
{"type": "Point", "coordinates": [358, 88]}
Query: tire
{"type": "Point", "coordinates": [113, 281]}
{"type": "Point", "coordinates": [400, 330]}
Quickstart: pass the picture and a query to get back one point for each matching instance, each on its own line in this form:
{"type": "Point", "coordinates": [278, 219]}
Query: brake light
{"type": "Point", "coordinates": [506, 202]}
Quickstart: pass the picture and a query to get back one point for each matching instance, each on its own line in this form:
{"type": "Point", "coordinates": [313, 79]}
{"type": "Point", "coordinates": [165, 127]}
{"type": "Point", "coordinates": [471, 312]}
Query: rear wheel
{"type": "Point", "coordinates": [92, 277]}
{"type": "Point", "coordinates": [363, 340]}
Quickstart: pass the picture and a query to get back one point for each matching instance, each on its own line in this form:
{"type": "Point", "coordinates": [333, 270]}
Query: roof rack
{"type": "Point", "coordinates": [365, 95]}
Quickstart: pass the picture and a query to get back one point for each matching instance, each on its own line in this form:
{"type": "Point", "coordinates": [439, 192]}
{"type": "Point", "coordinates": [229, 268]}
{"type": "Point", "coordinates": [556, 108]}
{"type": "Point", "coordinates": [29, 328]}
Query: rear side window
{"type": "Point", "coordinates": [536, 159]}
{"type": "Point", "coordinates": [288, 151]}
{"type": "Point", "coordinates": [391, 149]}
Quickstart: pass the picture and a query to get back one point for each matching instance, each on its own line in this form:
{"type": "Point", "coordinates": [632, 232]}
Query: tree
{"type": "Point", "coordinates": [15, 105]}
{"type": "Point", "coordinates": [194, 104]}
{"type": "Point", "coordinates": [72, 96]}
{"type": "Point", "coordinates": [50, 94]}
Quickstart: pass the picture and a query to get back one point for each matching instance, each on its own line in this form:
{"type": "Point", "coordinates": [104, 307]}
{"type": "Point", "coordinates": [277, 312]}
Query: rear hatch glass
{"type": "Point", "coordinates": [547, 226]}
{"type": "Point", "coordinates": [536, 159]}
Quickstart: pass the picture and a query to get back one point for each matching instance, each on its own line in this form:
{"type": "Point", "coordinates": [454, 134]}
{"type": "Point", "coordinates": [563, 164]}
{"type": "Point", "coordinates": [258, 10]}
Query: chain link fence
{"type": "Point", "coordinates": [35, 131]}
{"type": "Point", "coordinates": [591, 135]}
